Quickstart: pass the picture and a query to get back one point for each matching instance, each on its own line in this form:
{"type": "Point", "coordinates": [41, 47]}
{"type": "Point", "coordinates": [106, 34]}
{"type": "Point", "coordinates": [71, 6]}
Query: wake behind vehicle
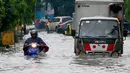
{"type": "Point", "coordinates": [97, 27]}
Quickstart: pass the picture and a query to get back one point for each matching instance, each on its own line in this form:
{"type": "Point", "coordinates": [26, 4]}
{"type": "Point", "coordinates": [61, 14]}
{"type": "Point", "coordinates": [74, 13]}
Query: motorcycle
{"type": "Point", "coordinates": [33, 49]}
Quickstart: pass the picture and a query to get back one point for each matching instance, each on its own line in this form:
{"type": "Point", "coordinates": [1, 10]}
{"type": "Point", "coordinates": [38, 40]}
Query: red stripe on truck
{"type": "Point", "coordinates": [87, 47]}
{"type": "Point", "coordinates": [110, 47]}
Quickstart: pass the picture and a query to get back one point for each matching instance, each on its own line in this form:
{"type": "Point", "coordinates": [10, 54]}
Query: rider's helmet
{"type": "Point", "coordinates": [33, 33]}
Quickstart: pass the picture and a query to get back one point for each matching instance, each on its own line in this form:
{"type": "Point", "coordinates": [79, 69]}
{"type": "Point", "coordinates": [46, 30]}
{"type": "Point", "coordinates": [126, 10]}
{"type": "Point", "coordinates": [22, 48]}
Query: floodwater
{"type": "Point", "coordinates": [61, 59]}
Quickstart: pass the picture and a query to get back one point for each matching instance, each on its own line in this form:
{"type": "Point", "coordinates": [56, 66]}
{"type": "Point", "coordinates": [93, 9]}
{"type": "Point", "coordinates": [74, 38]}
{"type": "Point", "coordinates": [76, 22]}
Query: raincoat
{"type": "Point", "coordinates": [37, 40]}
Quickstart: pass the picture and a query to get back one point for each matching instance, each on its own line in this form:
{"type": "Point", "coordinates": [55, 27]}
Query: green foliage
{"type": "Point", "coordinates": [16, 12]}
{"type": "Point", "coordinates": [10, 20]}
{"type": "Point", "coordinates": [2, 12]}
{"type": "Point", "coordinates": [30, 11]}
{"type": "Point", "coordinates": [127, 9]}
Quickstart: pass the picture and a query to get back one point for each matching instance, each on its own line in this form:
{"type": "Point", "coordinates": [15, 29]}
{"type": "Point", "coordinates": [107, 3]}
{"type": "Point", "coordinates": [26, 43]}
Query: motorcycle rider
{"type": "Point", "coordinates": [34, 38]}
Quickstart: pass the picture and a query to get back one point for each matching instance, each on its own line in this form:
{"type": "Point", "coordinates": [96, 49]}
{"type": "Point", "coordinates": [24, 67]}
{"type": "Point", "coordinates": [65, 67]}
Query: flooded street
{"type": "Point", "coordinates": [61, 59]}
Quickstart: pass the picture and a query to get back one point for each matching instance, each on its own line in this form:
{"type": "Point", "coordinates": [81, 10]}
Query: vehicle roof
{"type": "Point", "coordinates": [68, 21]}
{"type": "Point", "coordinates": [100, 0]}
{"type": "Point", "coordinates": [99, 17]}
{"type": "Point", "coordinates": [63, 16]}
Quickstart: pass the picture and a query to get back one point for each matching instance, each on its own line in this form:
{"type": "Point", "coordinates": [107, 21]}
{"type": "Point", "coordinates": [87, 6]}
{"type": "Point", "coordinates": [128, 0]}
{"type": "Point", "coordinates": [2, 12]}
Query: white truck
{"type": "Point", "coordinates": [100, 20]}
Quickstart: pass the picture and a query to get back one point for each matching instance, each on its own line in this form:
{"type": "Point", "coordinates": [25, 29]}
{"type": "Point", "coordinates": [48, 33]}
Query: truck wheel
{"type": "Point", "coordinates": [115, 54]}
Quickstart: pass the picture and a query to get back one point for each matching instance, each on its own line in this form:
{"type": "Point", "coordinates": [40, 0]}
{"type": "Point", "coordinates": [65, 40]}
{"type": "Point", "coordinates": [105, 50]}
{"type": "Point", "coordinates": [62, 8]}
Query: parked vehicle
{"type": "Point", "coordinates": [61, 28]}
{"type": "Point", "coordinates": [96, 27]}
{"type": "Point", "coordinates": [57, 20]}
{"type": "Point", "coordinates": [30, 27]}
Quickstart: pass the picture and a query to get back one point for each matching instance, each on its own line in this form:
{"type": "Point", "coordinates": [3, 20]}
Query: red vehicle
{"type": "Point", "coordinates": [52, 26]}
{"type": "Point", "coordinates": [61, 28]}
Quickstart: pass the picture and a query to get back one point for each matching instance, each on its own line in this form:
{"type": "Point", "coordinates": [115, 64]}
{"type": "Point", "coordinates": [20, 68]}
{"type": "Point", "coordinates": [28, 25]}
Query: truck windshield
{"type": "Point", "coordinates": [99, 28]}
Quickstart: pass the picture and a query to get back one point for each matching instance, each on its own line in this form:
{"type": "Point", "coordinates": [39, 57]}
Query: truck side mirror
{"type": "Point", "coordinates": [125, 32]}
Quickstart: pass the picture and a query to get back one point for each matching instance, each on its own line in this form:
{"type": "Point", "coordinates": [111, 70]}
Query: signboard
{"type": "Point", "coordinates": [8, 38]}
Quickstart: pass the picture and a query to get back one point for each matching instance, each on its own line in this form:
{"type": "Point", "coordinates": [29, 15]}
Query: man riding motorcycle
{"type": "Point", "coordinates": [34, 38]}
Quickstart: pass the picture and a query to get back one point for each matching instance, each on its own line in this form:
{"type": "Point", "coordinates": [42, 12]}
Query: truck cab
{"type": "Point", "coordinates": [97, 27]}
{"type": "Point", "coordinates": [97, 35]}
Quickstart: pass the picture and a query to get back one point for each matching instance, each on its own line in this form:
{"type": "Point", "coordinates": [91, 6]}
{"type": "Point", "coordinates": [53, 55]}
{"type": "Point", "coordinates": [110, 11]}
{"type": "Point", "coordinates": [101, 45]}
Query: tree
{"type": "Point", "coordinates": [11, 15]}
{"type": "Point", "coordinates": [16, 12]}
{"type": "Point", "coordinates": [29, 14]}
{"type": "Point", "coordinates": [2, 12]}
{"type": "Point", "coordinates": [127, 9]}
